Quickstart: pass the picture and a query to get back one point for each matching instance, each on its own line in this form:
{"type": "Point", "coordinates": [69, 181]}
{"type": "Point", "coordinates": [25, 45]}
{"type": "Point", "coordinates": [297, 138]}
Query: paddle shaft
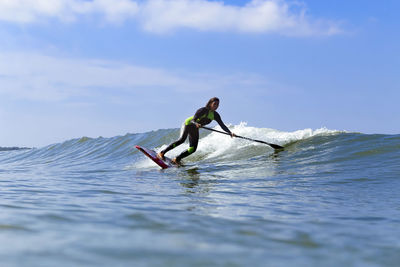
{"type": "Point", "coordinates": [242, 137]}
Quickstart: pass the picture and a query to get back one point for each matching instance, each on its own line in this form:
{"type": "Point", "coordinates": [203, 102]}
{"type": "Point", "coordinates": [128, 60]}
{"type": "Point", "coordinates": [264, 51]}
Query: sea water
{"type": "Point", "coordinates": [331, 198]}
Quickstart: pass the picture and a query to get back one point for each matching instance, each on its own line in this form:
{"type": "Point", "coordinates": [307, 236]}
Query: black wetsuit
{"type": "Point", "coordinates": [203, 116]}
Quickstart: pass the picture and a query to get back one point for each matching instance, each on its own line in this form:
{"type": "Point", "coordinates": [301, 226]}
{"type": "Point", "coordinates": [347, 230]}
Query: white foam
{"type": "Point", "coordinates": [216, 145]}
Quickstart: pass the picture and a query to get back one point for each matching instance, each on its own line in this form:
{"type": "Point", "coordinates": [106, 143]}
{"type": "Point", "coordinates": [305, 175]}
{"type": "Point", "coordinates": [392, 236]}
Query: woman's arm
{"type": "Point", "coordinates": [217, 118]}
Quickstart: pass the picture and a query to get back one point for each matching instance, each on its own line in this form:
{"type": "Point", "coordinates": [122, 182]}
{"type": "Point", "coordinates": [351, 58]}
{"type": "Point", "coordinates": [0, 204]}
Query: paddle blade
{"type": "Point", "coordinates": [276, 146]}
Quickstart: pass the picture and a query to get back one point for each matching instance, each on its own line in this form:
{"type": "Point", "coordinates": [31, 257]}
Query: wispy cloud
{"type": "Point", "coordinates": [31, 11]}
{"type": "Point", "coordinates": [258, 16]}
{"type": "Point", "coordinates": [38, 77]}
{"type": "Point", "coordinates": [164, 16]}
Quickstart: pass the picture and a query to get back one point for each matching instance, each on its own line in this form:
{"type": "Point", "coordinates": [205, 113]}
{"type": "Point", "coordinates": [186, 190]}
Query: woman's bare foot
{"type": "Point", "coordinates": [176, 162]}
{"type": "Point", "coordinates": [161, 156]}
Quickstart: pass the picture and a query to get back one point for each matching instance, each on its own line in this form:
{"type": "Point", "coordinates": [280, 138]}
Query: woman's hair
{"type": "Point", "coordinates": [211, 101]}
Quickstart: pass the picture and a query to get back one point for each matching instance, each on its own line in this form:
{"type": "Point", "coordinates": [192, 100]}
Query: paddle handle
{"type": "Point", "coordinates": [246, 138]}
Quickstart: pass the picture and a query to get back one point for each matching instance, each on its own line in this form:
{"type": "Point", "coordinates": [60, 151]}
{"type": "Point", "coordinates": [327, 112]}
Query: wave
{"type": "Point", "coordinates": [301, 146]}
{"type": "Point", "coordinates": [216, 147]}
{"type": "Point", "coordinates": [12, 148]}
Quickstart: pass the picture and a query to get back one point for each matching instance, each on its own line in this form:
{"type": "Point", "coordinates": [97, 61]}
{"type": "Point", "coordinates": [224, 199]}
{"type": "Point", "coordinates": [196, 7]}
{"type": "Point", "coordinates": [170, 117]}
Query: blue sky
{"type": "Point", "coordinates": [73, 68]}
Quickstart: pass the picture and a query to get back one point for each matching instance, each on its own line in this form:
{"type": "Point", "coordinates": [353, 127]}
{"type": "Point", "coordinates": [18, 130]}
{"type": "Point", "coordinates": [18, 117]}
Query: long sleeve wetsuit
{"type": "Point", "coordinates": [203, 116]}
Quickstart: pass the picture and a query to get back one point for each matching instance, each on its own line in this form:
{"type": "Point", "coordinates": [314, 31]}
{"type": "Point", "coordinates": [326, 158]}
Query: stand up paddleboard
{"type": "Point", "coordinates": [167, 163]}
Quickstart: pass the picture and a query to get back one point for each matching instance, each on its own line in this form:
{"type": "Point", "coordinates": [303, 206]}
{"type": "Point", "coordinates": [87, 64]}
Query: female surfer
{"type": "Point", "coordinates": [203, 116]}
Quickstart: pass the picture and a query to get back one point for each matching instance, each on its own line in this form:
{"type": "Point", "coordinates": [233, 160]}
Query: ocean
{"type": "Point", "coordinates": [331, 198]}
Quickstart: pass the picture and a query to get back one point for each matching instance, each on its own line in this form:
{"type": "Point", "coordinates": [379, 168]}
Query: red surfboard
{"type": "Point", "coordinates": [167, 163]}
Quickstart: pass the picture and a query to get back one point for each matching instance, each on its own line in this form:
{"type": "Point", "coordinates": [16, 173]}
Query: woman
{"type": "Point", "coordinates": [202, 117]}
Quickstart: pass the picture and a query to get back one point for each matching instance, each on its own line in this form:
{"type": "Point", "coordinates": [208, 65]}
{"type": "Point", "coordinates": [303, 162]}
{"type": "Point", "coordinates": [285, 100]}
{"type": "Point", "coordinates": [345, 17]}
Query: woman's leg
{"type": "Point", "coordinates": [176, 143]}
{"type": "Point", "coordinates": [193, 132]}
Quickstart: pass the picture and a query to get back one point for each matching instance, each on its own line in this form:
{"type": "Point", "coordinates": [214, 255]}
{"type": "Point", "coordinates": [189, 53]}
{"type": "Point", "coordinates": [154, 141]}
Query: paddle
{"type": "Point", "coordinates": [259, 141]}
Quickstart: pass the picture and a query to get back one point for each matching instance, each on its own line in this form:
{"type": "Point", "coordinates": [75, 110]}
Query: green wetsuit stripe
{"type": "Point", "coordinates": [188, 120]}
{"type": "Point", "coordinates": [209, 115]}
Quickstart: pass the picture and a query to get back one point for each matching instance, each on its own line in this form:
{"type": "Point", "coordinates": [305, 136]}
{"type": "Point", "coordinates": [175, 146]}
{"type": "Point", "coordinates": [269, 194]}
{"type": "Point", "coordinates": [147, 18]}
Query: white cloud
{"type": "Point", "coordinates": [30, 11]}
{"type": "Point", "coordinates": [258, 16]}
{"type": "Point", "coordinates": [162, 16]}
{"type": "Point", "coordinates": [45, 78]}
